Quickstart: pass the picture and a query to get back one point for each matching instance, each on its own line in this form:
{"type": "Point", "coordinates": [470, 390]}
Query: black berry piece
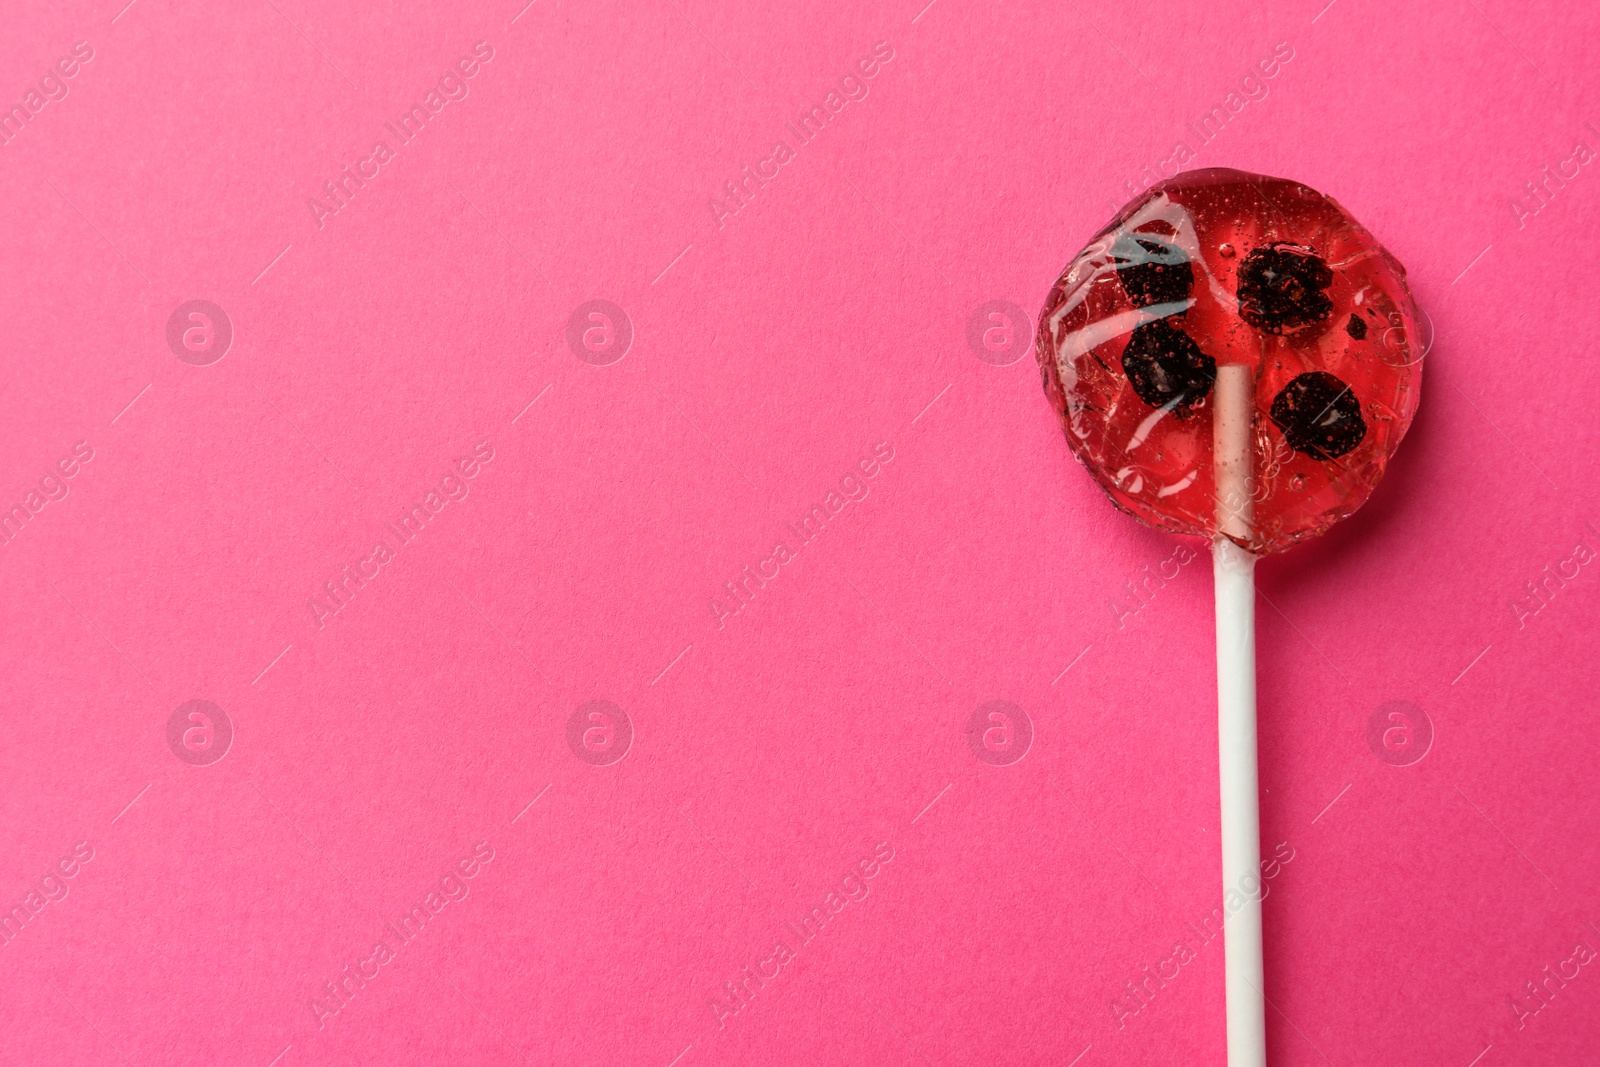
{"type": "Point", "coordinates": [1152, 269]}
{"type": "Point", "coordinates": [1356, 327]}
{"type": "Point", "coordinates": [1165, 366]}
{"type": "Point", "coordinates": [1281, 288]}
{"type": "Point", "coordinates": [1319, 415]}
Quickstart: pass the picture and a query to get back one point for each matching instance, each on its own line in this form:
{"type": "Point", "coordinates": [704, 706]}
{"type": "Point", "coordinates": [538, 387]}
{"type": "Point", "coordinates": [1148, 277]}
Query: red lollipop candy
{"type": "Point", "coordinates": [1236, 357]}
{"type": "Point", "coordinates": [1221, 268]}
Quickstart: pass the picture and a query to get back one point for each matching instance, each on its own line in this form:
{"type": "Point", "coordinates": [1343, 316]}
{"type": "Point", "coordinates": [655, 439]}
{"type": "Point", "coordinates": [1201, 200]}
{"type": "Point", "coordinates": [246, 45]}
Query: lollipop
{"type": "Point", "coordinates": [1234, 357]}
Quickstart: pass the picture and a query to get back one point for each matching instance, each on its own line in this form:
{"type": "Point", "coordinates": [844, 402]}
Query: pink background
{"type": "Point", "coordinates": [773, 348]}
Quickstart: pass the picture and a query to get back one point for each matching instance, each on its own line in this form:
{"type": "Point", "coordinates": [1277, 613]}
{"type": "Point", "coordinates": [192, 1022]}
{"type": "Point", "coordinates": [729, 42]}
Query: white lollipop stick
{"type": "Point", "coordinates": [1234, 571]}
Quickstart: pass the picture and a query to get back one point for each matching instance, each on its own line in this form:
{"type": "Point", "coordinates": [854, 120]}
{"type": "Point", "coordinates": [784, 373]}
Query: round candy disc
{"type": "Point", "coordinates": [1222, 267]}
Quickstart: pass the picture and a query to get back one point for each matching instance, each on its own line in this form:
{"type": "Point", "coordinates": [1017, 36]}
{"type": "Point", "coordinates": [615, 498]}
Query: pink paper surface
{"type": "Point", "coordinates": [590, 518]}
